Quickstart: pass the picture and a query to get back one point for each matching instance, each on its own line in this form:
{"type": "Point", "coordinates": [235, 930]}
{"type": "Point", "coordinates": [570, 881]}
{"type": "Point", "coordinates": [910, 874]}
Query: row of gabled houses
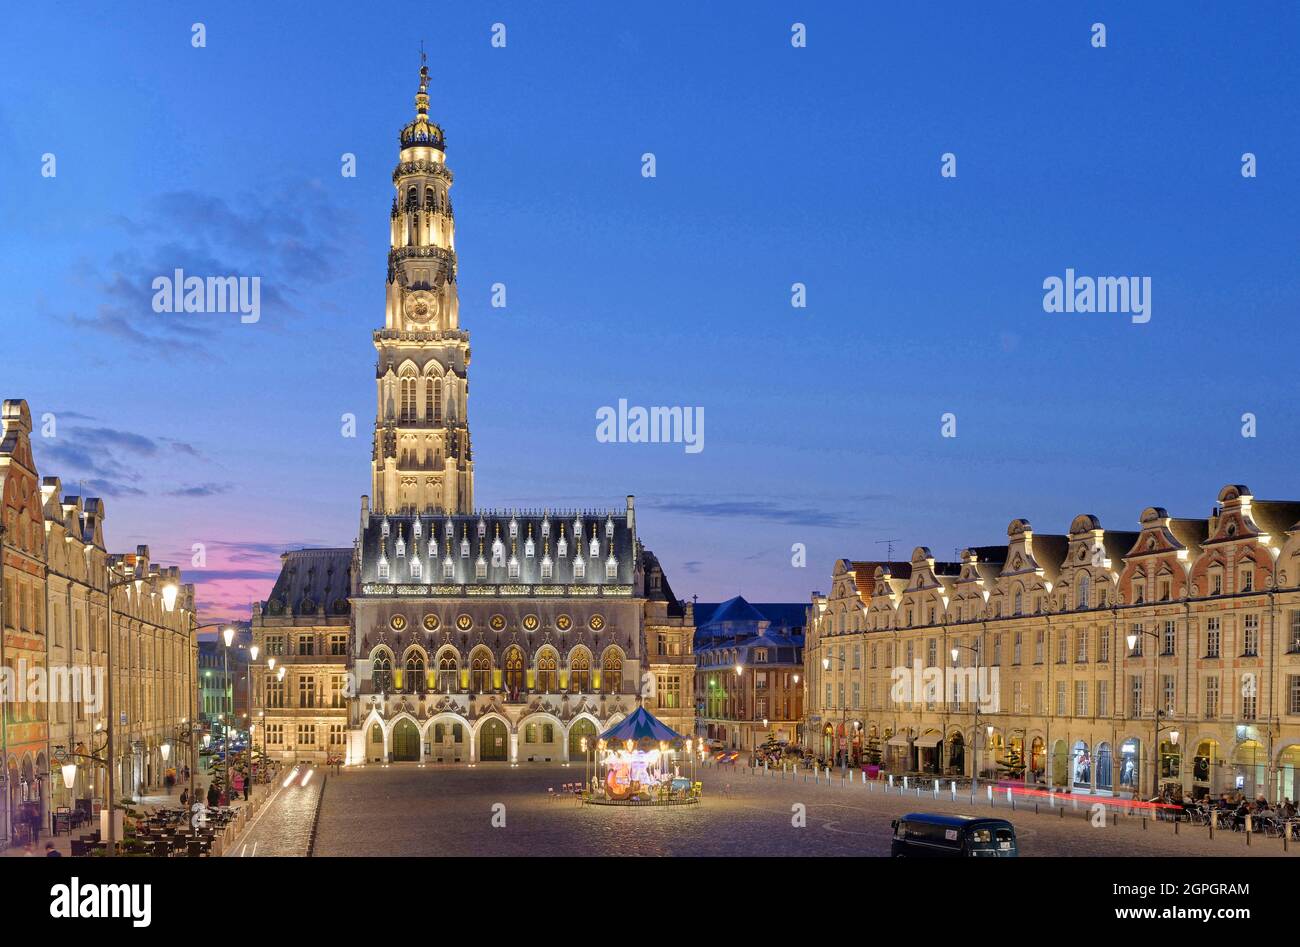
{"type": "Point", "coordinates": [1100, 660]}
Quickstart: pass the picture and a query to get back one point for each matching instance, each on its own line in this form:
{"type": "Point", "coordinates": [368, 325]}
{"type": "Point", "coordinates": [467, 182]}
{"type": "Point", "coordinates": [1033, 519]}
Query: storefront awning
{"type": "Point", "coordinates": [929, 740]}
{"type": "Point", "coordinates": [899, 739]}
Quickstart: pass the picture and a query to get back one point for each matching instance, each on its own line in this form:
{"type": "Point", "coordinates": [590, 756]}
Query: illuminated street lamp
{"type": "Point", "coordinates": [1132, 640]}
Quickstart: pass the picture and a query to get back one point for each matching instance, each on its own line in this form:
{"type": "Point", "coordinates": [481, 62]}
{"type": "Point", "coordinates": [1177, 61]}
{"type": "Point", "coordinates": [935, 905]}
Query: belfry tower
{"type": "Point", "coordinates": [421, 461]}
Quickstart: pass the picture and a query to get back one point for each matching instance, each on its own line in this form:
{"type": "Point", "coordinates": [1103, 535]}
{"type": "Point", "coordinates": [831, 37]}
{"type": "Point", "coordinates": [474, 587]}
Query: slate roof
{"type": "Point", "coordinates": [311, 582]}
{"type": "Point", "coordinates": [473, 535]}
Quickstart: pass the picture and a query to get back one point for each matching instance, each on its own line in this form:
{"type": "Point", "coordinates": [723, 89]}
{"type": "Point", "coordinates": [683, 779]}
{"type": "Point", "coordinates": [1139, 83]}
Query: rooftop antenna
{"type": "Point", "coordinates": [889, 547]}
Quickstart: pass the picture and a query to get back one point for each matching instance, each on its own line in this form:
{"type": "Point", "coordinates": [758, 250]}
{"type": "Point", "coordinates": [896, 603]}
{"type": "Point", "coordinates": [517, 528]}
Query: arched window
{"type": "Point", "coordinates": [431, 399]}
{"type": "Point", "coordinates": [428, 198]}
{"type": "Point", "coordinates": [514, 671]}
{"type": "Point", "coordinates": [480, 673]}
{"type": "Point", "coordinates": [611, 674]}
{"type": "Point", "coordinates": [408, 412]}
{"type": "Point", "coordinates": [413, 676]}
{"type": "Point", "coordinates": [382, 674]}
{"type": "Point", "coordinates": [448, 668]}
{"type": "Point", "coordinates": [579, 673]}
{"type": "Point", "coordinates": [548, 675]}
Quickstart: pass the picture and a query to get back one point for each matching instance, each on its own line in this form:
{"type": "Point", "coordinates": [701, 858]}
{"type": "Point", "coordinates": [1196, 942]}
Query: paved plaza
{"type": "Point", "coordinates": [408, 811]}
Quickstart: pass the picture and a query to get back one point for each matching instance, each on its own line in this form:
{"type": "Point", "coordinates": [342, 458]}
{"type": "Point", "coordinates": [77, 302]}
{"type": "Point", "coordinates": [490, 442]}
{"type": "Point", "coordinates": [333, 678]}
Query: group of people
{"type": "Point", "coordinates": [1233, 805]}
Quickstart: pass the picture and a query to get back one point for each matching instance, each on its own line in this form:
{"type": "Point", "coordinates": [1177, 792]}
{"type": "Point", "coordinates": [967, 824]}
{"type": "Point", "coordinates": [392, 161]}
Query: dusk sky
{"type": "Point", "coordinates": [775, 165]}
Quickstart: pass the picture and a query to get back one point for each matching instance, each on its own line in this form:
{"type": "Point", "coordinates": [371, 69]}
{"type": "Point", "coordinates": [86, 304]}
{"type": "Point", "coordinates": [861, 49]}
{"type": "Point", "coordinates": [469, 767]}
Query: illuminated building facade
{"type": "Point", "coordinates": [1206, 699]}
{"type": "Point", "coordinates": [448, 634]}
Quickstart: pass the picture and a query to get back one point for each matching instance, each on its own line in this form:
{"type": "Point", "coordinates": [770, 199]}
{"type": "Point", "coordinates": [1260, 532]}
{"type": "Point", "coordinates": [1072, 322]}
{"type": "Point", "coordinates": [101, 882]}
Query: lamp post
{"type": "Point", "coordinates": [253, 651]}
{"type": "Point", "coordinates": [228, 636]}
{"type": "Point", "coordinates": [844, 718]}
{"type": "Point", "coordinates": [955, 651]}
{"type": "Point", "coordinates": [1132, 640]}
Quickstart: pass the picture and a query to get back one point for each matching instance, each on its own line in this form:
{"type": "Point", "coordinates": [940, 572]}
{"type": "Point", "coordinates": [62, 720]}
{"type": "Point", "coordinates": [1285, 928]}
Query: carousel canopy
{"type": "Point", "coordinates": [642, 728]}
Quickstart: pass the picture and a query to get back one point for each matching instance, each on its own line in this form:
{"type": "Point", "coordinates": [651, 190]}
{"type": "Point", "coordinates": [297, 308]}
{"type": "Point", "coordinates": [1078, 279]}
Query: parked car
{"type": "Point", "coordinates": [927, 835]}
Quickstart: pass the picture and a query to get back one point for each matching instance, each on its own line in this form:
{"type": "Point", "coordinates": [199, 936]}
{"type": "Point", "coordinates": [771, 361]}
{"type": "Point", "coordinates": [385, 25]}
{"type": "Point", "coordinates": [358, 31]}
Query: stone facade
{"type": "Point", "coordinates": [449, 634]}
{"type": "Point", "coordinates": [1045, 682]}
{"type": "Point", "coordinates": [56, 578]}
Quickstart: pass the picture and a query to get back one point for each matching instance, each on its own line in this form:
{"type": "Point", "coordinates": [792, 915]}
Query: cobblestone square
{"type": "Point", "coordinates": [409, 811]}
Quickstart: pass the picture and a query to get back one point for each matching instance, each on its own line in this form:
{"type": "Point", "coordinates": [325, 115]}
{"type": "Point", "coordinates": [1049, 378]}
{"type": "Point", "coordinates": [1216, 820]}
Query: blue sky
{"type": "Point", "coordinates": [774, 165]}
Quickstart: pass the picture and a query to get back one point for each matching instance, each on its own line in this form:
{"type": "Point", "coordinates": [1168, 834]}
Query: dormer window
{"type": "Point", "coordinates": [383, 567]}
{"type": "Point", "coordinates": [482, 529]}
{"type": "Point", "coordinates": [498, 553]}
{"type": "Point", "coordinates": [546, 528]}
{"type": "Point", "coordinates": [595, 547]}
{"type": "Point", "coordinates": [611, 568]}
{"type": "Point", "coordinates": [383, 528]}
{"type": "Point", "coordinates": [609, 529]}
{"type": "Point", "coordinates": [416, 567]}
{"type": "Point", "coordinates": [448, 568]}
{"type": "Point", "coordinates": [579, 568]}
{"type": "Point", "coordinates": [514, 529]}
{"type": "Point", "coordinates": [401, 547]}
{"type": "Point", "coordinates": [547, 567]}
{"type": "Point", "coordinates": [1248, 580]}
{"type": "Point", "coordinates": [514, 568]}
{"type": "Point", "coordinates": [480, 568]}
{"type": "Point", "coordinates": [1139, 593]}
{"type": "Point", "coordinates": [529, 550]}
{"type": "Point", "coordinates": [415, 529]}
{"type": "Point", "coordinates": [464, 547]}
{"type": "Point", "coordinates": [562, 547]}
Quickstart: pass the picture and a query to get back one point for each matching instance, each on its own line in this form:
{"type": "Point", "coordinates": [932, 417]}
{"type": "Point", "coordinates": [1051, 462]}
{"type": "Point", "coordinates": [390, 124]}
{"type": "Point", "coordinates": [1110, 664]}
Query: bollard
{"type": "Point", "coordinates": [990, 794]}
{"type": "Point", "coordinates": [1212, 819]}
{"type": "Point", "coordinates": [1144, 823]}
{"type": "Point", "coordinates": [1061, 812]}
{"type": "Point", "coordinates": [904, 782]}
{"type": "Point", "coordinates": [1035, 808]}
{"type": "Point", "coordinates": [891, 780]}
{"type": "Point", "coordinates": [1175, 826]}
{"type": "Point", "coordinates": [1008, 794]}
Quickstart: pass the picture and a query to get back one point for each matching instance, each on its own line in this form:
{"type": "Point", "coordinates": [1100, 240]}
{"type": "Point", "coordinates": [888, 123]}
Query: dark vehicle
{"type": "Point", "coordinates": [925, 835]}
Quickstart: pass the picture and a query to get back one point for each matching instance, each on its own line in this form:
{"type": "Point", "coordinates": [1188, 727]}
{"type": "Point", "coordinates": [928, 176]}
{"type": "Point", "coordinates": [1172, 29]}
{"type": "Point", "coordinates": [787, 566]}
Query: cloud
{"type": "Point", "coordinates": [284, 235]}
{"type": "Point", "coordinates": [226, 575]}
{"type": "Point", "coordinates": [766, 510]}
{"type": "Point", "coordinates": [200, 490]}
{"type": "Point", "coordinates": [109, 488]}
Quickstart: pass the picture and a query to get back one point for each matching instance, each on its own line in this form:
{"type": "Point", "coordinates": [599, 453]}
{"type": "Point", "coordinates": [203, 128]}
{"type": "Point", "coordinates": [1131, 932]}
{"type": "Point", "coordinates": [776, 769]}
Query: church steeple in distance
{"type": "Point", "coordinates": [421, 459]}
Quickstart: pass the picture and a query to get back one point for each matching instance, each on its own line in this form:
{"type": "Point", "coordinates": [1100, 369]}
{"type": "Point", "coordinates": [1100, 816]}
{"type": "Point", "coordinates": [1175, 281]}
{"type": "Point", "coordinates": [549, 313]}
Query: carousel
{"type": "Point", "coordinates": [642, 762]}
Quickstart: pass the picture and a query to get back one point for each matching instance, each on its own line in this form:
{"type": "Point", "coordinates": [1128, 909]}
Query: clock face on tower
{"type": "Point", "coordinates": [421, 309]}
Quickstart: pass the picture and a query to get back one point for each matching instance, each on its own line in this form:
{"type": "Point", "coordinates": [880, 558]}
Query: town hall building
{"type": "Point", "coordinates": [446, 633]}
